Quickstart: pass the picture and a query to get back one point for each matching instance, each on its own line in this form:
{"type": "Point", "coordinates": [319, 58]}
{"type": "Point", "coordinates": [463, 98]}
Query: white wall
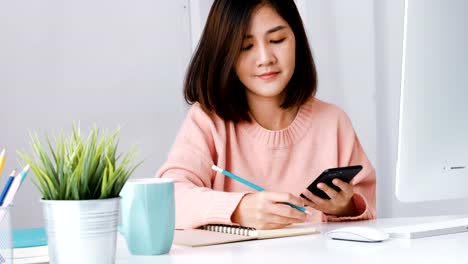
{"type": "Point", "coordinates": [106, 62]}
{"type": "Point", "coordinates": [341, 36]}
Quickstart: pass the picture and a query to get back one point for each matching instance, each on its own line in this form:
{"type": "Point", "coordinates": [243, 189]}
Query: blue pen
{"type": "Point", "coordinates": [252, 185]}
{"type": "Point", "coordinates": [7, 187]}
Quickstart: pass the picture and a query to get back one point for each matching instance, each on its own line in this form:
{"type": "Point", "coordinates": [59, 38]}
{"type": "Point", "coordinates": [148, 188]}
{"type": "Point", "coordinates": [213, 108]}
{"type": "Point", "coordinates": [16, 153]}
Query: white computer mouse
{"type": "Point", "coordinates": [358, 233]}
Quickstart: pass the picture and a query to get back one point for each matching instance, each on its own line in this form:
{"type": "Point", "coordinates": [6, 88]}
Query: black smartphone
{"type": "Point", "coordinates": [345, 174]}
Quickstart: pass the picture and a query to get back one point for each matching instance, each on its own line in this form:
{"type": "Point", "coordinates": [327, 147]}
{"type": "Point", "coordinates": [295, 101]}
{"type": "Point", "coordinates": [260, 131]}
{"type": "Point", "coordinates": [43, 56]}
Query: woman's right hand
{"type": "Point", "coordinates": [266, 210]}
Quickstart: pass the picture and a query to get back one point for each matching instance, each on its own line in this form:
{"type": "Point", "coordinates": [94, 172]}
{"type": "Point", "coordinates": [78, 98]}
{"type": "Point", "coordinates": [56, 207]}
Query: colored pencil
{"type": "Point", "coordinates": [15, 187]}
{"type": "Point", "coordinates": [7, 187]}
{"type": "Point", "coordinates": [2, 160]}
{"type": "Point", "coordinates": [252, 185]}
{"type": "Point", "coordinates": [24, 172]}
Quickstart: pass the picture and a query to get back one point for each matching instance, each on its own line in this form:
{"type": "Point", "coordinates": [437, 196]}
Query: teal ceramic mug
{"type": "Point", "coordinates": [148, 215]}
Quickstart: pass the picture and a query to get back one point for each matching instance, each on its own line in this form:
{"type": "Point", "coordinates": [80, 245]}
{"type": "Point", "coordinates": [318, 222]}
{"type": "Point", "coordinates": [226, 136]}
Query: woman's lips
{"type": "Point", "coordinates": [268, 75]}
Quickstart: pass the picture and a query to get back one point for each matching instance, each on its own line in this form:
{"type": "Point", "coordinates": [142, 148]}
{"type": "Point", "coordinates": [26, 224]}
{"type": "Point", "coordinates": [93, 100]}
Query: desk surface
{"type": "Point", "coordinates": [319, 249]}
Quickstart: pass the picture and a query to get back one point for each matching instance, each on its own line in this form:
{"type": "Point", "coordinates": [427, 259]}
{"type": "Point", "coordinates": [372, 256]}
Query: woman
{"type": "Point", "coordinates": [252, 83]}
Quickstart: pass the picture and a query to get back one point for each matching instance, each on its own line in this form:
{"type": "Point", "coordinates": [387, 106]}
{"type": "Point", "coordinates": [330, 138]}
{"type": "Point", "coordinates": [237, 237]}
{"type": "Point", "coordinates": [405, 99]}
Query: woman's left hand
{"type": "Point", "coordinates": [339, 204]}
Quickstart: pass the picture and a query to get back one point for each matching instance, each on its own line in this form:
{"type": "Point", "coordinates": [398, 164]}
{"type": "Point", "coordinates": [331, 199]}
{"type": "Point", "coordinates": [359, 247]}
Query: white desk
{"type": "Point", "coordinates": [445, 249]}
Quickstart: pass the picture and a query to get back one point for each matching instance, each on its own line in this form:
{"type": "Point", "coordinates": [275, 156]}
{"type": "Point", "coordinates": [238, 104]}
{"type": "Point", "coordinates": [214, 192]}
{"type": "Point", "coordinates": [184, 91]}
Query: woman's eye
{"type": "Point", "coordinates": [246, 47]}
{"type": "Point", "coordinates": [275, 41]}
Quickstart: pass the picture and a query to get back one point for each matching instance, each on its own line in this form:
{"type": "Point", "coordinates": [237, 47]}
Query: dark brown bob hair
{"type": "Point", "coordinates": [211, 79]}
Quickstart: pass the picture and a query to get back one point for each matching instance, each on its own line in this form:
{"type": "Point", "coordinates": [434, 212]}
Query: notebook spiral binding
{"type": "Point", "coordinates": [229, 229]}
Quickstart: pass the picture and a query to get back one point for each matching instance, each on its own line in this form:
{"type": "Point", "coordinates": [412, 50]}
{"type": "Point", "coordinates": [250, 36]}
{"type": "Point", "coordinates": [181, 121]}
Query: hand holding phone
{"type": "Point", "coordinates": [345, 174]}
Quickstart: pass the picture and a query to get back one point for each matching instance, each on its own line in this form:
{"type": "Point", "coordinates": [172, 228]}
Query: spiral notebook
{"type": "Point", "coordinates": [220, 234]}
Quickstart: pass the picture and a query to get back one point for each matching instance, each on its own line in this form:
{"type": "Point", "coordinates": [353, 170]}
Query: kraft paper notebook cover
{"type": "Point", "coordinates": [220, 234]}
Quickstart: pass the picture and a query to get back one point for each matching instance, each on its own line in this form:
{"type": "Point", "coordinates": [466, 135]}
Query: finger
{"type": "Point", "coordinates": [287, 213]}
{"type": "Point", "coordinates": [315, 201]}
{"type": "Point", "coordinates": [312, 205]}
{"type": "Point", "coordinates": [328, 190]}
{"type": "Point", "coordinates": [286, 198]}
{"type": "Point", "coordinates": [306, 195]}
{"type": "Point", "coordinates": [280, 204]}
{"type": "Point", "coordinates": [281, 220]}
{"type": "Point", "coordinates": [294, 202]}
{"type": "Point", "coordinates": [310, 197]}
{"type": "Point", "coordinates": [345, 187]}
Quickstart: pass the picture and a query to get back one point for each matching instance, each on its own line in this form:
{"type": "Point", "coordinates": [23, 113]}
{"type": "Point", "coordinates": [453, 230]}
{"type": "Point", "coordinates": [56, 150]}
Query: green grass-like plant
{"type": "Point", "coordinates": [78, 169]}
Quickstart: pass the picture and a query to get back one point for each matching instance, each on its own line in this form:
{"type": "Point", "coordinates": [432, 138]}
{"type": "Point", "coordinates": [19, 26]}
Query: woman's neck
{"type": "Point", "coordinates": [270, 116]}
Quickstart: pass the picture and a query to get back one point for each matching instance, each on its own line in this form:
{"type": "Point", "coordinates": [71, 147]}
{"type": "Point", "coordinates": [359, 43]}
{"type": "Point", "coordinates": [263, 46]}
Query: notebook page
{"type": "Point", "coordinates": [291, 230]}
{"type": "Point", "coordinates": [199, 237]}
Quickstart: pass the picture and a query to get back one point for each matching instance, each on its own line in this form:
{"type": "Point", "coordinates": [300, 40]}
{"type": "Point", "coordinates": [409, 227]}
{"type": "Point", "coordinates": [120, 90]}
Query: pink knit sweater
{"type": "Point", "coordinates": [320, 137]}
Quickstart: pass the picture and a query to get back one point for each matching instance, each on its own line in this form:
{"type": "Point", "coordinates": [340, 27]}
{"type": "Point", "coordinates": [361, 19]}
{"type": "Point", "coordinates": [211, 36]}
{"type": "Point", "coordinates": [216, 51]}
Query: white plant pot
{"type": "Point", "coordinates": [80, 232]}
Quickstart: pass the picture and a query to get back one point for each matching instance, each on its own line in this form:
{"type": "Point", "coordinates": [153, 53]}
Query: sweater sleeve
{"type": "Point", "coordinates": [350, 152]}
{"type": "Point", "coordinates": [189, 165]}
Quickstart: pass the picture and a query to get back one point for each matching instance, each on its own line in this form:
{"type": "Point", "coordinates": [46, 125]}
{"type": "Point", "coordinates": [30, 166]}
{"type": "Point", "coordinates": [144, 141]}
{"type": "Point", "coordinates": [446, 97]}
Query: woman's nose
{"type": "Point", "coordinates": [265, 56]}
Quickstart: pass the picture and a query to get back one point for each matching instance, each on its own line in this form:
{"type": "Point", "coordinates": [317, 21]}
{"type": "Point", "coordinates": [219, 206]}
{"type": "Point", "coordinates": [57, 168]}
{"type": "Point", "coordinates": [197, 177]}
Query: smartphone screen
{"type": "Point", "coordinates": [345, 174]}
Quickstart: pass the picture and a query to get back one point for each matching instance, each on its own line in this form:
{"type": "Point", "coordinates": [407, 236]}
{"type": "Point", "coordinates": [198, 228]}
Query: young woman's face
{"type": "Point", "coordinates": [266, 62]}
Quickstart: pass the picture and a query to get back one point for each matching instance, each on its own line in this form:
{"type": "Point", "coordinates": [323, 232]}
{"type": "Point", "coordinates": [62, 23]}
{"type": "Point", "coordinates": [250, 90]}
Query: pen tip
{"type": "Point", "coordinates": [2, 153]}
{"type": "Point", "coordinates": [26, 168]}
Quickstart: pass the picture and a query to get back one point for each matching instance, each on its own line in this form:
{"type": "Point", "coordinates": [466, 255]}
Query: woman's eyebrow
{"type": "Point", "coordinates": [272, 30]}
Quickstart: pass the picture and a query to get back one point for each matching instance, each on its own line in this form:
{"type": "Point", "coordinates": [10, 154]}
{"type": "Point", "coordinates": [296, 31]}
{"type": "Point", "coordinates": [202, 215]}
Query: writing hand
{"type": "Point", "coordinates": [266, 210]}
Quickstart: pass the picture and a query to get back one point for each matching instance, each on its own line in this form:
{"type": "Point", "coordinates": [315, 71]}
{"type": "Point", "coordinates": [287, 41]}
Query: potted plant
{"type": "Point", "coordinates": [80, 181]}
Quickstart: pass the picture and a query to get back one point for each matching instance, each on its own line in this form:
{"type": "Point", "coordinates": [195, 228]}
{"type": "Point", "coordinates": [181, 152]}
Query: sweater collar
{"type": "Point", "coordinates": [284, 137]}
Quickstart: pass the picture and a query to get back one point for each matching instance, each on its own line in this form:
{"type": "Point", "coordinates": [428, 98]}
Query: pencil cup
{"type": "Point", "coordinates": [148, 215]}
{"type": "Point", "coordinates": [6, 252]}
